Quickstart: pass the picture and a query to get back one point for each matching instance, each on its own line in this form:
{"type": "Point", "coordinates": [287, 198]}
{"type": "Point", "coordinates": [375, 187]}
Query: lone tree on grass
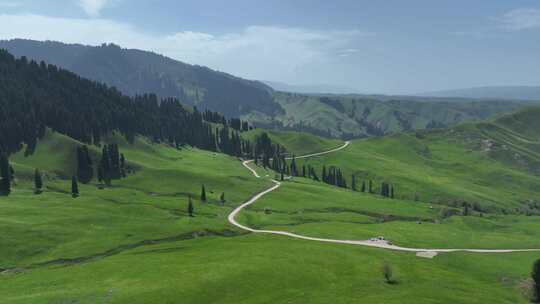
{"type": "Point", "coordinates": [38, 181]}
{"type": "Point", "coordinates": [222, 198]}
{"type": "Point", "coordinates": [74, 187]}
{"type": "Point", "coordinates": [387, 273]}
{"type": "Point", "coordinates": [203, 194]}
{"type": "Point", "coordinates": [535, 274]}
{"type": "Point", "coordinates": [190, 209]}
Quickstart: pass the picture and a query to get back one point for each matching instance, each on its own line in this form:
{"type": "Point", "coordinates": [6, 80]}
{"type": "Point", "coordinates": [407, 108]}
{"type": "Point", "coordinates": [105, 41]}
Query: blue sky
{"type": "Point", "coordinates": [371, 46]}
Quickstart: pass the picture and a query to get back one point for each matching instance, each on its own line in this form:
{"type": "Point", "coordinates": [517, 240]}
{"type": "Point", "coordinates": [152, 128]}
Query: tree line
{"type": "Point", "coordinates": [234, 123]}
{"type": "Point", "coordinates": [330, 175]}
{"type": "Point", "coordinates": [36, 96]}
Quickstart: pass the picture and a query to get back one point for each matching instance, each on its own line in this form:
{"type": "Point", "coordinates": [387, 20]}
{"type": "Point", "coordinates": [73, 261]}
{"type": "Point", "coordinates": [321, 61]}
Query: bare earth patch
{"type": "Point", "coordinates": [426, 254]}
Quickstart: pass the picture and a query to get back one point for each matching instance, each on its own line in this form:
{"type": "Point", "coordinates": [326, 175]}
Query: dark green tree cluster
{"type": "Point", "coordinates": [230, 142]}
{"type": "Point", "coordinates": [268, 154]}
{"type": "Point", "coordinates": [214, 117]}
{"type": "Point", "coordinates": [112, 164]}
{"type": "Point", "coordinates": [85, 170]}
{"type": "Point", "coordinates": [312, 174]}
{"type": "Point", "coordinates": [36, 96]}
{"type": "Point", "coordinates": [234, 123]}
{"type": "Point", "coordinates": [239, 125]}
{"type": "Point", "coordinates": [333, 177]}
{"type": "Point", "coordinates": [6, 175]}
{"type": "Point", "coordinates": [387, 190]}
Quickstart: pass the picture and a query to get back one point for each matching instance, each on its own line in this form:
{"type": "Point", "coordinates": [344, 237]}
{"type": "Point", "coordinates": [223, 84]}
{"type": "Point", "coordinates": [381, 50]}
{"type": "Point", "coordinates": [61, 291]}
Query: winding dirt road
{"type": "Point", "coordinates": [424, 252]}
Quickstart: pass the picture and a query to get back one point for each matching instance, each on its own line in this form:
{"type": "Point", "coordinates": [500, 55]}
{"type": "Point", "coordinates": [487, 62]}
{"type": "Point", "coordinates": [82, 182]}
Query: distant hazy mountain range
{"type": "Point", "coordinates": [311, 89]}
{"type": "Point", "coordinates": [501, 92]}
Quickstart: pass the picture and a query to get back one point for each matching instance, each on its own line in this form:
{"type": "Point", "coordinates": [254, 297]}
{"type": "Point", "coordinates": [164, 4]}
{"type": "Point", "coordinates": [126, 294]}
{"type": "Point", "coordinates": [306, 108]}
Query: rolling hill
{"type": "Point", "coordinates": [133, 242]}
{"type": "Point", "coordinates": [352, 116]}
{"type": "Point", "coordinates": [494, 165]}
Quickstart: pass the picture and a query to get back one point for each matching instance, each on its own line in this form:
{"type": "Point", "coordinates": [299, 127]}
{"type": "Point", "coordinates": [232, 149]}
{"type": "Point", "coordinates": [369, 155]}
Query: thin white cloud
{"type": "Point", "coordinates": [92, 7]}
{"type": "Point", "coordinates": [520, 19]}
{"type": "Point", "coordinates": [258, 52]}
{"type": "Point", "coordinates": [348, 52]}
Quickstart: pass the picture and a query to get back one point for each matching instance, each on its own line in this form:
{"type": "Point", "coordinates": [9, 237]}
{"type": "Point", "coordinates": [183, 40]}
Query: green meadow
{"type": "Point", "coordinates": [133, 242]}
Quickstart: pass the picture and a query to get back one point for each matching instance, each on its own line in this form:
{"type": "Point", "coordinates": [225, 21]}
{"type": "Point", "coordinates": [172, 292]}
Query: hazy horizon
{"type": "Point", "coordinates": [369, 47]}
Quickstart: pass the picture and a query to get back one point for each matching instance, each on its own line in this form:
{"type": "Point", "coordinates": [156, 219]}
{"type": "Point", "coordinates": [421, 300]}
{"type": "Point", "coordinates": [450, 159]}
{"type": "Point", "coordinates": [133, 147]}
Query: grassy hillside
{"type": "Point", "coordinates": [487, 164]}
{"type": "Point", "coordinates": [149, 204]}
{"type": "Point", "coordinates": [134, 243]}
{"type": "Point", "coordinates": [361, 115]}
{"type": "Point", "coordinates": [319, 210]}
{"type": "Point", "coordinates": [296, 142]}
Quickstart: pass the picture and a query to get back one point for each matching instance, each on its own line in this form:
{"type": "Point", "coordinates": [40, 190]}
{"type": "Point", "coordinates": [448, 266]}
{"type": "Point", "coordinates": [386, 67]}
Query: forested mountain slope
{"type": "Point", "coordinates": [34, 97]}
{"type": "Point", "coordinates": [139, 72]}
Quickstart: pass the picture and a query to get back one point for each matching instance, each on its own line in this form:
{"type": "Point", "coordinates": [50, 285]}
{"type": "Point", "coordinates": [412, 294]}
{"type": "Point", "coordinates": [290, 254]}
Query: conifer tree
{"type": "Point", "coordinates": [294, 171]}
{"type": "Point", "coordinates": [466, 209]}
{"type": "Point", "coordinates": [203, 194]}
{"type": "Point", "coordinates": [85, 171]}
{"type": "Point", "coordinates": [353, 182]}
{"type": "Point", "coordinates": [392, 192]}
{"type": "Point", "coordinates": [38, 181]}
{"type": "Point", "coordinates": [535, 275]}
{"type": "Point", "coordinates": [123, 165]}
{"type": "Point", "coordinates": [370, 186]}
{"type": "Point", "coordinates": [303, 170]}
{"type": "Point", "coordinates": [190, 208]}
{"type": "Point", "coordinates": [384, 189]}
{"type": "Point", "coordinates": [363, 186]}
{"type": "Point", "coordinates": [222, 198]}
{"type": "Point", "coordinates": [74, 187]}
{"type": "Point", "coordinates": [5, 175]}
{"type": "Point", "coordinates": [100, 174]}
{"type": "Point", "coordinates": [106, 165]}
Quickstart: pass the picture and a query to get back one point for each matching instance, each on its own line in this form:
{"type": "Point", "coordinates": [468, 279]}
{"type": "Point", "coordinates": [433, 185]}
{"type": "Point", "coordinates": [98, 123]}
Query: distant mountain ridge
{"type": "Point", "coordinates": [352, 116]}
{"type": "Point", "coordinates": [349, 115]}
{"type": "Point", "coordinates": [311, 89]}
{"type": "Point", "coordinates": [138, 72]}
{"type": "Point", "coordinates": [499, 92]}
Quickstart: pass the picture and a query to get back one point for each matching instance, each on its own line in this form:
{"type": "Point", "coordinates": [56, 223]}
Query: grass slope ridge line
{"type": "Point", "coordinates": [367, 243]}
